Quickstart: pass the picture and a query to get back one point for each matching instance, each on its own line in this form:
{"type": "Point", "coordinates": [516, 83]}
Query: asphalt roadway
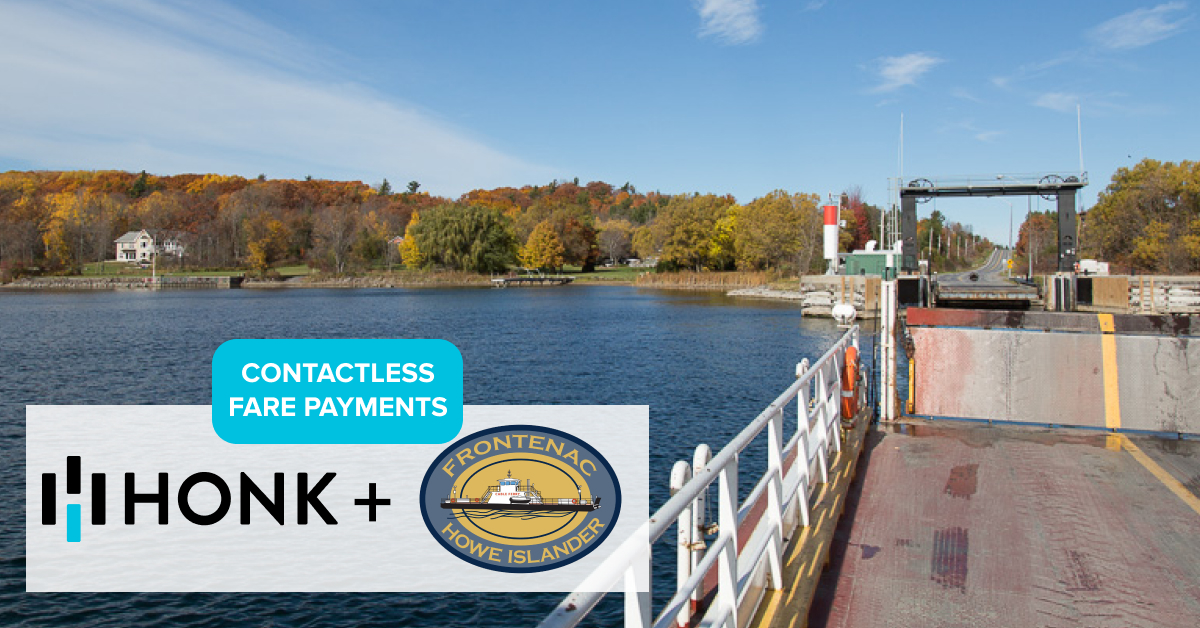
{"type": "Point", "coordinates": [988, 282]}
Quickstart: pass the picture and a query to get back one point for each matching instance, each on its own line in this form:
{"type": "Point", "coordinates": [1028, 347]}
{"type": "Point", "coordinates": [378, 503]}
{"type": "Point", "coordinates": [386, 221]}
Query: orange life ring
{"type": "Point", "coordinates": [850, 384]}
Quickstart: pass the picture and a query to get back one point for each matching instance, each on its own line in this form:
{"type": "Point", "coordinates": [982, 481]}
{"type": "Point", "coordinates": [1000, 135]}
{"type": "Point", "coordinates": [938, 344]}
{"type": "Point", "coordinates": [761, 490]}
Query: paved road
{"type": "Point", "coordinates": [990, 281]}
{"type": "Point", "coordinates": [992, 273]}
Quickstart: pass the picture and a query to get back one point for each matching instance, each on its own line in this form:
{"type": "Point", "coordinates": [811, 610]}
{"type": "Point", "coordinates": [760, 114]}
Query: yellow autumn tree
{"type": "Point", "coordinates": [410, 253]}
{"type": "Point", "coordinates": [266, 241]}
{"type": "Point", "coordinates": [543, 249]}
{"type": "Point", "coordinates": [63, 236]}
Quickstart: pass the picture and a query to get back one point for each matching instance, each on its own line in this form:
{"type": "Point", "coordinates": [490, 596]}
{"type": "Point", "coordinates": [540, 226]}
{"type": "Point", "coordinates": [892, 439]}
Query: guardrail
{"type": "Point", "coordinates": [747, 550]}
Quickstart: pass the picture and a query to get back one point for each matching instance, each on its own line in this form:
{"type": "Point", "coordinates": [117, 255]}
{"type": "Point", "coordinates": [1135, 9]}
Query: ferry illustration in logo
{"type": "Point", "coordinates": [510, 494]}
{"type": "Point", "coordinates": [520, 498]}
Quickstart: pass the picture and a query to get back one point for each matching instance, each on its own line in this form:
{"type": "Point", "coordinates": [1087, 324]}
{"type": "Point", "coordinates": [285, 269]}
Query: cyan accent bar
{"type": "Point", "coordinates": [73, 522]}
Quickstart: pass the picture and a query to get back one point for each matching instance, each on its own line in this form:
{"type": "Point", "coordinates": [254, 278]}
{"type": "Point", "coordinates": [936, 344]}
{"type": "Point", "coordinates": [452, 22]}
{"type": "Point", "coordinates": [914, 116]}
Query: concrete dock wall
{"type": "Point", "coordinates": [1054, 368]}
{"type": "Point", "coordinates": [818, 294]}
{"type": "Point", "coordinates": [125, 283]}
{"type": "Point", "coordinates": [1142, 294]}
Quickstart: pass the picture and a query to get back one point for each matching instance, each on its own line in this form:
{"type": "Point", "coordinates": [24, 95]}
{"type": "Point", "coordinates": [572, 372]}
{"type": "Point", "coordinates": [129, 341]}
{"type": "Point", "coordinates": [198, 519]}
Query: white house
{"type": "Point", "coordinates": [136, 246]}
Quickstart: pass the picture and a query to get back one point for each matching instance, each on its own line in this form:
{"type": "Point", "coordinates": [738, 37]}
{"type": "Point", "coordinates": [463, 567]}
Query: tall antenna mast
{"type": "Point", "coordinates": [1079, 129]}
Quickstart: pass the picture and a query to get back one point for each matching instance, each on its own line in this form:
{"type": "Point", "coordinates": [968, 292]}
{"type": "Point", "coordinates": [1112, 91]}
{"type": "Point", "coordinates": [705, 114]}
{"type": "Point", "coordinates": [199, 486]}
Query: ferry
{"type": "Point", "coordinates": [510, 494]}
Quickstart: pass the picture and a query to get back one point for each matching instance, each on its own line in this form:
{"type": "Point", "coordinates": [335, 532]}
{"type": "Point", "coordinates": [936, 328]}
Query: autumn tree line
{"type": "Point", "coordinates": [59, 221]}
{"type": "Point", "coordinates": [1148, 219]}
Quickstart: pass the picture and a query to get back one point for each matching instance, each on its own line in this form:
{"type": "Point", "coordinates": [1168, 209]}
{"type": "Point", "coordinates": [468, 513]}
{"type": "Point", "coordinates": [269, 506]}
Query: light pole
{"type": "Point", "coordinates": [1028, 214]}
{"type": "Point", "coordinates": [1010, 234]}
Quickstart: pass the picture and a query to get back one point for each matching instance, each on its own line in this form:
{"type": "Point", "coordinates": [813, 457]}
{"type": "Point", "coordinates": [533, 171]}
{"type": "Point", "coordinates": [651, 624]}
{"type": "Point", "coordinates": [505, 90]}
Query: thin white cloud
{"type": "Point", "coordinates": [1058, 101]}
{"type": "Point", "coordinates": [815, 5]}
{"type": "Point", "coordinates": [730, 21]}
{"type": "Point", "coordinates": [968, 128]}
{"type": "Point", "coordinates": [1033, 70]}
{"type": "Point", "coordinates": [897, 72]}
{"type": "Point", "coordinates": [1141, 27]}
{"type": "Point", "coordinates": [964, 94]}
{"type": "Point", "coordinates": [181, 87]}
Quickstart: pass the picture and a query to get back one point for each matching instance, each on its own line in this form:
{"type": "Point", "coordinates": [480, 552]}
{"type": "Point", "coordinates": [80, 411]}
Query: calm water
{"type": "Point", "coordinates": [704, 363]}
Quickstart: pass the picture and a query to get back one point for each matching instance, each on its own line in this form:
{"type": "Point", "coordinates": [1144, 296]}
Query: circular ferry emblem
{"type": "Point", "coordinates": [520, 498]}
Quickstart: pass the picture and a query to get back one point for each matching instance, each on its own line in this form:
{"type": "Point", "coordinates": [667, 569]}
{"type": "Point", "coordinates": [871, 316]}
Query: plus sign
{"type": "Point", "coordinates": [371, 502]}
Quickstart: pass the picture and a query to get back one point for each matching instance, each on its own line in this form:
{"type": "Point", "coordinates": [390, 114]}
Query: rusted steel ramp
{"type": "Point", "coordinates": [960, 524]}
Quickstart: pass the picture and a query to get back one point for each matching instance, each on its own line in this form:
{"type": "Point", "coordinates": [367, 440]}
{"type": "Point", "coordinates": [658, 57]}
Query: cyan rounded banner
{"type": "Point", "coordinates": [337, 391]}
{"type": "Point", "coordinates": [520, 498]}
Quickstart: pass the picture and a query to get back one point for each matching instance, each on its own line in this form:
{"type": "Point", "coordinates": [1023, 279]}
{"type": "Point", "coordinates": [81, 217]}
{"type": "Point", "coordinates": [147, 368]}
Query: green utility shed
{"type": "Point", "coordinates": [866, 263]}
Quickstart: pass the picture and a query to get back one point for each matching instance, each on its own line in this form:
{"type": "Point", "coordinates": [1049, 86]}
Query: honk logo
{"type": "Point", "coordinates": [520, 498]}
{"type": "Point", "coordinates": [74, 487]}
{"type": "Point", "coordinates": [156, 499]}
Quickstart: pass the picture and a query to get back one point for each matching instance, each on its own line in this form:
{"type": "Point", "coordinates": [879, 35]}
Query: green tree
{"type": "Point", "coordinates": [543, 249]}
{"type": "Point", "coordinates": [385, 188]}
{"type": "Point", "coordinates": [413, 186]}
{"type": "Point", "coordinates": [467, 237]}
{"type": "Point", "coordinates": [140, 186]}
{"type": "Point", "coordinates": [370, 245]}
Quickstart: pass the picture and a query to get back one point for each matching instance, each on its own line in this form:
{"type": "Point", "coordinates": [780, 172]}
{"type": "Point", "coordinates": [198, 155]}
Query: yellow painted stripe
{"type": "Point", "coordinates": [1112, 391]}
{"type": "Point", "coordinates": [1168, 480]}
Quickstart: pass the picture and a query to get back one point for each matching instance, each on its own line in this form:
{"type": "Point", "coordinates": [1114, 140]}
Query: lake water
{"type": "Point", "coordinates": [704, 363]}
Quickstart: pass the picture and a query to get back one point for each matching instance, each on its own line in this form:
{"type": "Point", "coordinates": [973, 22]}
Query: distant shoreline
{"type": "Point", "coordinates": [88, 284]}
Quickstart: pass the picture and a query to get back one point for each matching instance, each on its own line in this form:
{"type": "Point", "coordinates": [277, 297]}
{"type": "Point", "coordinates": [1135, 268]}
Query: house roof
{"type": "Point", "coordinates": [162, 236]}
{"type": "Point", "coordinates": [130, 236]}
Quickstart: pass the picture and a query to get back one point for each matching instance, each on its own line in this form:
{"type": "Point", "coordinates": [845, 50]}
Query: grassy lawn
{"type": "Point", "coordinates": [294, 271]}
{"type": "Point", "coordinates": [618, 273]}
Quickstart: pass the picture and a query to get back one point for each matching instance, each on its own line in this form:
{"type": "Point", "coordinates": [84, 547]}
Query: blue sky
{"type": "Point", "coordinates": [726, 96]}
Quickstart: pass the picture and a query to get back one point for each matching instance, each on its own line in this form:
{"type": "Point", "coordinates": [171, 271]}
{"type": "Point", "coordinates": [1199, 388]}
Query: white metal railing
{"type": "Point", "coordinates": [747, 561]}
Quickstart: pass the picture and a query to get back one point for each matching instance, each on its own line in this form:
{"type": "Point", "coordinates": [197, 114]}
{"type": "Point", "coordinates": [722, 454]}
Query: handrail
{"type": "Point", "coordinates": [819, 414]}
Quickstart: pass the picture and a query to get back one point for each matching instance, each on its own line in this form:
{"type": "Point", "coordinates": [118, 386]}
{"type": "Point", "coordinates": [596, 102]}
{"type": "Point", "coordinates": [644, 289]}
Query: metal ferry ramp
{"type": "Point", "coordinates": [984, 287]}
{"type": "Point", "coordinates": [941, 523]}
{"type": "Point", "coordinates": [958, 524]}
